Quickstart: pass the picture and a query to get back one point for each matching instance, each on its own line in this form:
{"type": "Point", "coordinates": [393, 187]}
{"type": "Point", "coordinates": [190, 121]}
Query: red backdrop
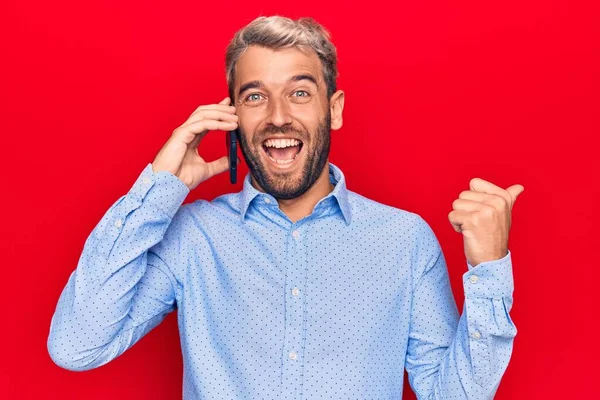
{"type": "Point", "coordinates": [507, 92]}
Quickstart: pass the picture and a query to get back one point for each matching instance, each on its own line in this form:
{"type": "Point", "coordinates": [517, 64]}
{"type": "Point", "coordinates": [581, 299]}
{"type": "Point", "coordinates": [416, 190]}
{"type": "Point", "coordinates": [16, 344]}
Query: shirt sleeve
{"type": "Point", "coordinates": [458, 358]}
{"type": "Point", "coordinates": [122, 286]}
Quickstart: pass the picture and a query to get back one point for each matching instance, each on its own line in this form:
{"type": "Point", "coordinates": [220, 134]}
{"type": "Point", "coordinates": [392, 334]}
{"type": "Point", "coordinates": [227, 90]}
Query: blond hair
{"type": "Point", "coordinates": [277, 32]}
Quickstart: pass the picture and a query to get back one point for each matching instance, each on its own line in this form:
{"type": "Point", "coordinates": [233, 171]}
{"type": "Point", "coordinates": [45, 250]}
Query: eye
{"type": "Point", "coordinates": [253, 94]}
{"type": "Point", "coordinates": [306, 94]}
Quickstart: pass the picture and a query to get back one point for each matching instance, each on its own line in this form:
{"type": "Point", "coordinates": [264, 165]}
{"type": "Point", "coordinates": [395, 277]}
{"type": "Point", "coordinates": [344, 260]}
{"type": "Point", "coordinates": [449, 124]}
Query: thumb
{"type": "Point", "coordinates": [514, 191]}
{"type": "Point", "coordinates": [225, 100]}
{"type": "Point", "coordinates": [218, 166]}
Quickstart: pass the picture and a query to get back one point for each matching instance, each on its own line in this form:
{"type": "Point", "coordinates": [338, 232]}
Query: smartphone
{"type": "Point", "coordinates": [231, 138]}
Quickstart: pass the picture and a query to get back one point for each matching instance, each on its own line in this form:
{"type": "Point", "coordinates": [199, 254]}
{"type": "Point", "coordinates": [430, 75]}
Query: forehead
{"type": "Point", "coordinates": [274, 67]}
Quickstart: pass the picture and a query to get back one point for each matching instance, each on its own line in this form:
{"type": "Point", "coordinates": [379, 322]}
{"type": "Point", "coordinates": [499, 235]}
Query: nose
{"type": "Point", "coordinates": [279, 113]}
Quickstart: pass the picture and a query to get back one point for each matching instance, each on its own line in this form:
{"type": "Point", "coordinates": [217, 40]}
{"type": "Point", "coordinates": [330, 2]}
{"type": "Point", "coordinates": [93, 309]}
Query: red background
{"type": "Point", "coordinates": [436, 93]}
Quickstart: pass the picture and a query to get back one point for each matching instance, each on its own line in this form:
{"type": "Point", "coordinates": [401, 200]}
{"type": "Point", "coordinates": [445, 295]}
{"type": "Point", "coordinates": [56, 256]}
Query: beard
{"type": "Point", "coordinates": [288, 184]}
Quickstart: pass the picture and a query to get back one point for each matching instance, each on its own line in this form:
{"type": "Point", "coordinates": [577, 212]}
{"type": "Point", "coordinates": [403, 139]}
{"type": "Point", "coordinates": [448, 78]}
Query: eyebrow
{"type": "Point", "coordinates": [259, 84]}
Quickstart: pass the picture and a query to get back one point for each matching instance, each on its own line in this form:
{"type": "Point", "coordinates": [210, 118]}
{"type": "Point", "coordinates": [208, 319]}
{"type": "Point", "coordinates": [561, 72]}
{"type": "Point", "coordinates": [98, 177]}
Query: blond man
{"type": "Point", "coordinates": [296, 287]}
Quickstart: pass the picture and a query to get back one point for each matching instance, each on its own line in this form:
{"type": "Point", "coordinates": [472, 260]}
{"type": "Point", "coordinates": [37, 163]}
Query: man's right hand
{"type": "Point", "coordinates": [179, 155]}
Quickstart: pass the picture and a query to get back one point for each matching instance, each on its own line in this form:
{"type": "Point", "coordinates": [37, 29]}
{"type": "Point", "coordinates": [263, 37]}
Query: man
{"type": "Point", "coordinates": [296, 287]}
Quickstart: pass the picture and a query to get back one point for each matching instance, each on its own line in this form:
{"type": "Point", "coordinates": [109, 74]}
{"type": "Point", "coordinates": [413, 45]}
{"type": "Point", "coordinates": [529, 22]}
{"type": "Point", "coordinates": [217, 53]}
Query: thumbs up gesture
{"type": "Point", "coordinates": [483, 215]}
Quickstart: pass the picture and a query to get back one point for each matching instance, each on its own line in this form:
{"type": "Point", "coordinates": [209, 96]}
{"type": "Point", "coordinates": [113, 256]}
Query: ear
{"type": "Point", "coordinates": [337, 106]}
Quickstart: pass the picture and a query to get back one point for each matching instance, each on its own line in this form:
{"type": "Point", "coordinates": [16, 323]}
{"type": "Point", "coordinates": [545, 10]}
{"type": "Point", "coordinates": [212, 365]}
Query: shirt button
{"type": "Point", "coordinates": [476, 335]}
{"type": "Point", "coordinates": [296, 234]}
{"type": "Point", "coordinates": [119, 223]}
{"type": "Point", "coordinates": [473, 279]}
{"type": "Point", "coordinates": [146, 181]}
{"type": "Point", "coordinates": [295, 291]}
{"type": "Point", "coordinates": [267, 200]}
{"type": "Point", "coordinates": [293, 355]}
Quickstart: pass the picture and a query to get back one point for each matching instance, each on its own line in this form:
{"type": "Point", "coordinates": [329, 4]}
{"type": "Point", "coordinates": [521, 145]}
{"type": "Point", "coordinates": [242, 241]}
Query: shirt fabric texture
{"type": "Point", "coordinates": [333, 306]}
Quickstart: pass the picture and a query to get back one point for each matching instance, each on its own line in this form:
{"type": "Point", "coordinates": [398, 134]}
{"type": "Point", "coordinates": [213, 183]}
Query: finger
{"type": "Point", "coordinates": [212, 114]}
{"type": "Point", "coordinates": [514, 191]}
{"type": "Point", "coordinates": [218, 166]}
{"type": "Point", "coordinates": [220, 107]}
{"type": "Point", "coordinates": [199, 128]}
{"type": "Point", "coordinates": [210, 124]}
{"type": "Point", "coordinates": [467, 205]}
{"type": "Point", "coordinates": [481, 185]}
{"type": "Point", "coordinates": [196, 141]}
{"type": "Point", "coordinates": [223, 105]}
{"type": "Point", "coordinates": [458, 218]}
{"type": "Point", "coordinates": [493, 200]}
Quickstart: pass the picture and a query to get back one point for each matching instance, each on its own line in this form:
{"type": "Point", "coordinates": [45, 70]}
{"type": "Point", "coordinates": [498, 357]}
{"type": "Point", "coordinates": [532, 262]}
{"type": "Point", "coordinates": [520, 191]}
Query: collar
{"type": "Point", "coordinates": [339, 192]}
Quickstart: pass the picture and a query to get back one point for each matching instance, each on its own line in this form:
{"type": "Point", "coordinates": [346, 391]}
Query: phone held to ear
{"type": "Point", "coordinates": [231, 138]}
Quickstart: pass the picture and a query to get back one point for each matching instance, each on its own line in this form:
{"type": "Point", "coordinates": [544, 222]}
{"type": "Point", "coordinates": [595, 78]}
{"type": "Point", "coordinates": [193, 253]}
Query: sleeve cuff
{"type": "Point", "coordinates": [490, 278]}
{"type": "Point", "coordinates": [163, 189]}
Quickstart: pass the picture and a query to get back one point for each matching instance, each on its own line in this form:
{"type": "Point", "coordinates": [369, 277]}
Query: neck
{"type": "Point", "coordinates": [303, 205]}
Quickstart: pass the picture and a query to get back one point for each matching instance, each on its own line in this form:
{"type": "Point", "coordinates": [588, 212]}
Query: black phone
{"type": "Point", "coordinates": [231, 138]}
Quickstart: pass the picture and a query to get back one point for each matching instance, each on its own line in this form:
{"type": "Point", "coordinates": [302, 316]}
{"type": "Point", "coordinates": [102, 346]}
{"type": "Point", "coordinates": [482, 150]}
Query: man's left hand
{"type": "Point", "coordinates": [483, 215]}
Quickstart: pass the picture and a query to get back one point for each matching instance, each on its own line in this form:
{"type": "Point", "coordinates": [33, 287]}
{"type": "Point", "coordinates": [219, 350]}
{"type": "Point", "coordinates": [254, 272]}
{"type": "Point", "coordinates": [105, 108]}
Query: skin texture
{"type": "Point", "coordinates": [284, 108]}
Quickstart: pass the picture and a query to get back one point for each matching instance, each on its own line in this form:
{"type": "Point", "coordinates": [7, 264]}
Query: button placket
{"type": "Point", "coordinates": [294, 314]}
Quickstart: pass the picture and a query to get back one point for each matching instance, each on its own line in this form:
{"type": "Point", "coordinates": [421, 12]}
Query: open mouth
{"type": "Point", "coordinates": [282, 151]}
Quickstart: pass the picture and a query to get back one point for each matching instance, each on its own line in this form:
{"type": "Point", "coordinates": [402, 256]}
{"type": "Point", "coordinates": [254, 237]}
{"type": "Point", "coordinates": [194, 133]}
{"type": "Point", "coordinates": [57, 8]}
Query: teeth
{"type": "Point", "coordinates": [280, 143]}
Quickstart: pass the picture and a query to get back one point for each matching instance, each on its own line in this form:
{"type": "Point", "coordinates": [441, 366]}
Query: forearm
{"type": "Point", "coordinates": [473, 365]}
{"type": "Point", "coordinates": [93, 323]}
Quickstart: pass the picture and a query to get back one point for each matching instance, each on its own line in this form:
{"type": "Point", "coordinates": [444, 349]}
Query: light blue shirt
{"type": "Point", "coordinates": [333, 306]}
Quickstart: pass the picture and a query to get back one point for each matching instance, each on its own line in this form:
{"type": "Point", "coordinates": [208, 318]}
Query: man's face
{"type": "Point", "coordinates": [275, 98]}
